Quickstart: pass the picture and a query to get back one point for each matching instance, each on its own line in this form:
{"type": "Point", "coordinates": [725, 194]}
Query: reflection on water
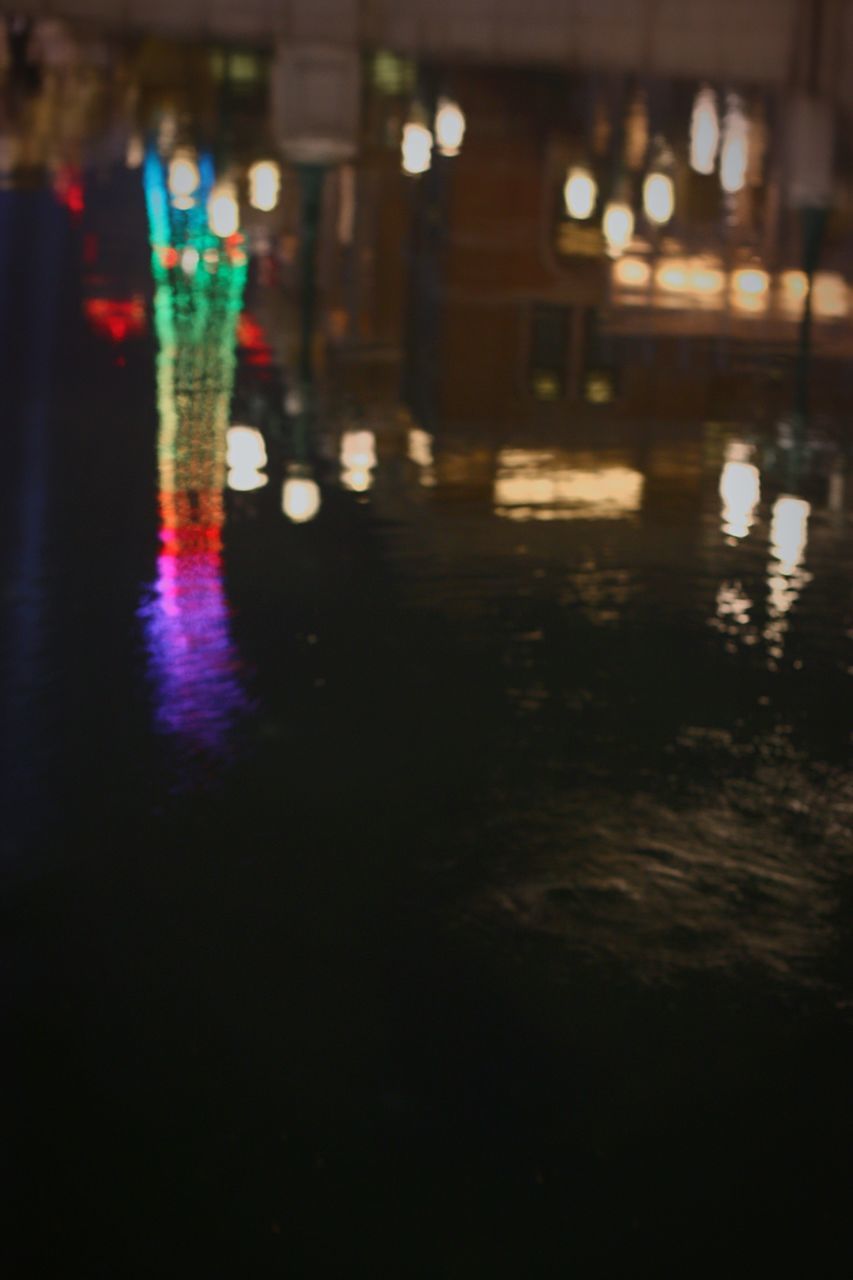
{"type": "Point", "coordinates": [786, 578]}
{"type": "Point", "coordinates": [358, 460]}
{"type": "Point", "coordinates": [194, 664]}
{"type": "Point", "coordinates": [540, 485]}
{"type": "Point", "coordinates": [740, 490]}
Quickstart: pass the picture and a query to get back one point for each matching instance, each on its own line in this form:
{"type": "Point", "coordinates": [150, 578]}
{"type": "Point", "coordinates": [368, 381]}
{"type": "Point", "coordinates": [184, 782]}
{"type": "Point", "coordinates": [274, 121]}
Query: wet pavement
{"type": "Point", "coordinates": [448, 877]}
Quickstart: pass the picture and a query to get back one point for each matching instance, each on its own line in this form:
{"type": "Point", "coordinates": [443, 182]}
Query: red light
{"type": "Point", "coordinates": [116, 318]}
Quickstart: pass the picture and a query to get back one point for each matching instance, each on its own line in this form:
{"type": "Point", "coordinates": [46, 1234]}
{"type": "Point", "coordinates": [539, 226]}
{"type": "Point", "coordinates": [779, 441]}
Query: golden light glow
{"type": "Point", "coordinates": [750, 288]}
{"type": "Point", "coordinates": [223, 211]}
{"type": "Point", "coordinates": [740, 491]}
{"type": "Point", "coordinates": [420, 447]}
{"type": "Point", "coordinates": [300, 496]}
{"type": "Point", "coordinates": [416, 148]}
{"type": "Point", "coordinates": [449, 127]}
{"type": "Point", "coordinates": [538, 485]}
{"type": "Point", "coordinates": [793, 286]}
{"type": "Point", "coordinates": [704, 131]}
{"type": "Point", "coordinates": [632, 273]}
{"type": "Point", "coordinates": [618, 226]}
{"type": "Point", "coordinates": [358, 460]}
{"type": "Point", "coordinates": [580, 193]}
{"type": "Point", "coordinates": [184, 176]}
{"type": "Point", "coordinates": [673, 275]}
{"type": "Point", "coordinates": [135, 153]}
{"type": "Point", "coordinates": [658, 198]}
{"type": "Point", "coordinates": [830, 296]}
{"type": "Point", "coordinates": [264, 185]}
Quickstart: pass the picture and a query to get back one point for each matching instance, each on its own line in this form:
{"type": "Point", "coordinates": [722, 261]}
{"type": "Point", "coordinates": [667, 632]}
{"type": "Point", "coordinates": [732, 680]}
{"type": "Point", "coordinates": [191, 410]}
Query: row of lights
{"type": "Point", "coordinates": [447, 134]}
{"type": "Point", "coordinates": [223, 207]}
{"type": "Point", "coordinates": [246, 458]}
{"type": "Point", "coordinates": [580, 194]}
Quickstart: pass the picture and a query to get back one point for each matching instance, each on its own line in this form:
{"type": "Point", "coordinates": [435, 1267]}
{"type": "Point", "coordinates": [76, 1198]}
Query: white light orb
{"type": "Point", "coordinates": [416, 148]}
{"type": "Point", "coordinates": [580, 193]}
{"type": "Point", "coordinates": [449, 127]}
{"type": "Point", "coordinates": [658, 198]}
{"type": "Point", "coordinates": [264, 185]}
{"type": "Point", "coordinates": [223, 211]}
{"type": "Point", "coordinates": [184, 176]}
{"type": "Point", "coordinates": [618, 227]}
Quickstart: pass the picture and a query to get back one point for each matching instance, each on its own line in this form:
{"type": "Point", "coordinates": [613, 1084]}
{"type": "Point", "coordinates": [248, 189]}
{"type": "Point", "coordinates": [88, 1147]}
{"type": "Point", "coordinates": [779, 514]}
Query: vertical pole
{"type": "Point", "coordinates": [310, 198]}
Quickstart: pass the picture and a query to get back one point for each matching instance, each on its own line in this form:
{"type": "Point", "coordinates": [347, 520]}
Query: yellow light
{"type": "Point", "coordinates": [618, 227]}
{"type": "Point", "coordinates": [740, 491]}
{"type": "Point", "coordinates": [672, 276]}
{"type": "Point", "coordinates": [658, 198]}
{"type": "Point", "coordinates": [534, 484]}
{"type": "Point", "coordinates": [135, 153]}
{"type": "Point", "coordinates": [223, 211]}
{"type": "Point", "coordinates": [449, 127]}
{"type": "Point", "coordinates": [264, 185]}
{"type": "Point", "coordinates": [704, 131]}
{"type": "Point", "coordinates": [416, 149]}
{"type": "Point", "coordinates": [580, 193]}
{"type": "Point", "coordinates": [789, 533]}
{"type": "Point", "coordinates": [632, 273]}
{"type": "Point", "coordinates": [750, 287]}
{"type": "Point", "coordinates": [706, 280]}
{"type": "Point", "coordinates": [420, 447]}
{"type": "Point", "coordinates": [300, 497]}
{"type": "Point", "coordinates": [735, 146]}
{"type": "Point", "coordinates": [793, 286]}
{"type": "Point", "coordinates": [358, 460]}
{"type": "Point", "coordinates": [830, 298]}
{"type": "Point", "coordinates": [184, 176]}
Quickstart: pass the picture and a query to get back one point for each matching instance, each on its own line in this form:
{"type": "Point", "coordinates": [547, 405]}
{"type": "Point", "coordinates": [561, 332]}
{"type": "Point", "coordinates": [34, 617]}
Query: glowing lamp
{"type": "Point", "coordinates": [618, 227]}
{"type": "Point", "coordinates": [416, 149]}
{"type": "Point", "coordinates": [704, 131]}
{"type": "Point", "coordinates": [449, 127]}
{"type": "Point", "coordinates": [245, 448]}
{"type": "Point", "coordinates": [658, 198]}
{"type": "Point", "coordinates": [734, 149]}
{"type": "Point", "coordinates": [580, 193]}
{"type": "Point", "coordinates": [300, 496]}
{"type": "Point", "coordinates": [264, 185]}
{"type": "Point", "coordinates": [223, 211]}
{"type": "Point", "coordinates": [184, 177]}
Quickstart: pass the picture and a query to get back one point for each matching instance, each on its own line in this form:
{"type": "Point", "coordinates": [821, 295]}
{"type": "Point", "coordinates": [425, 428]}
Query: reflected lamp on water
{"type": "Point", "coordinates": [300, 495]}
{"type": "Point", "coordinates": [704, 131]}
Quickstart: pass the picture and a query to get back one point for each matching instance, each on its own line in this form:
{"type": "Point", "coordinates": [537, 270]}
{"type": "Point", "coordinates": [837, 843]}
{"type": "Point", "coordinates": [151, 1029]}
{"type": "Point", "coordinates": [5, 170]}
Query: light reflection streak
{"type": "Point", "coordinates": [786, 576]}
{"type": "Point", "coordinates": [358, 460]}
{"type": "Point", "coordinates": [192, 658]}
{"type": "Point", "coordinates": [740, 491]}
{"type": "Point", "coordinates": [538, 485]}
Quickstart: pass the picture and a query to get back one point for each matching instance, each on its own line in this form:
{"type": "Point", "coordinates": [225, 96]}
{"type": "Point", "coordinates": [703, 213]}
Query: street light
{"type": "Point", "coordinates": [223, 211]}
{"type": "Point", "coordinates": [618, 226]}
{"type": "Point", "coordinates": [449, 127]}
{"type": "Point", "coordinates": [580, 193]}
{"type": "Point", "coordinates": [416, 148]}
{"type": "Point", "coordinates": [300, 495]}
{"type": "Point", "coordinates": [658, 198]}
{"type": "Point", "coordinates": [264, 185]}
